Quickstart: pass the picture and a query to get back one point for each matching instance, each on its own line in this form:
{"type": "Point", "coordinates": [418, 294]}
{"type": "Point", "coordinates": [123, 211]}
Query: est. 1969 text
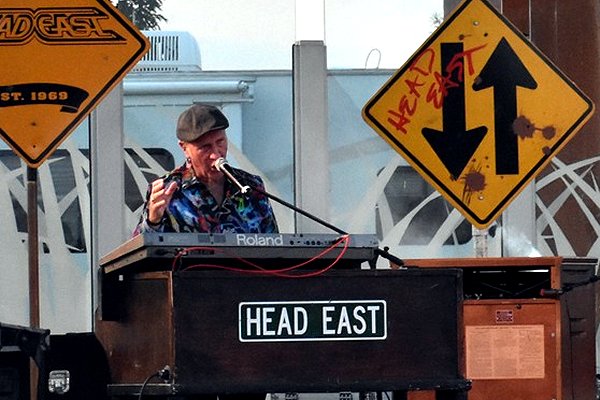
{"type": "Point", "coordinates": [36, 96]}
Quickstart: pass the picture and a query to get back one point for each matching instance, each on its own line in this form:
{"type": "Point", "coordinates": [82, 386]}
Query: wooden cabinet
{"type": "Point", "coordinates": [530, 326]}
{"type": "Point", "coordinates": [194, 322]}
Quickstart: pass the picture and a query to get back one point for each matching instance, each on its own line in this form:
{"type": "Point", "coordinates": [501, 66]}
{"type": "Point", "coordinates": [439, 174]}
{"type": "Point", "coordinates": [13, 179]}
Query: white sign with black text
{"type": "Point", "coordinates": [312, 320]}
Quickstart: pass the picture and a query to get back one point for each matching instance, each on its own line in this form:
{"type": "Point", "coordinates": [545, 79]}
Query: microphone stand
{"type": "Point", "coordinates": [380, 252]}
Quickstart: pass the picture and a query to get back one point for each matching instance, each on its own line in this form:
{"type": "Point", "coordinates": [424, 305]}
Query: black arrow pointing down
{"type": "Point", "coordinates": [455, 145]}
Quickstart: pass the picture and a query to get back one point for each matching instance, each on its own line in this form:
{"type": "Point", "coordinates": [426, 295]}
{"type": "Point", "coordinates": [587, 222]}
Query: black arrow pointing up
{"type": "Point", "coordinates": [455, 145]}
{"type": "Point", "coordinates": [505, 71]}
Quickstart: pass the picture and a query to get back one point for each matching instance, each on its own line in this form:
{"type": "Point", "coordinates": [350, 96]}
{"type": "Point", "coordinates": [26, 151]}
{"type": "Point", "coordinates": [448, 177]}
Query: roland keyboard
{"type": "Point", "coordinates": [153, 251]}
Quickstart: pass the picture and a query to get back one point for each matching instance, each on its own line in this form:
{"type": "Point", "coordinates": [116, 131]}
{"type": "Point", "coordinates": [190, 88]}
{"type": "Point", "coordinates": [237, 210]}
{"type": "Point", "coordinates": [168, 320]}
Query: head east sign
{"type": "Point", "coordinates": [60, 58]}
{"type": "Point", "coordinates": [329, 320]}
{"type": "Point", "coordinates": [478, 111]}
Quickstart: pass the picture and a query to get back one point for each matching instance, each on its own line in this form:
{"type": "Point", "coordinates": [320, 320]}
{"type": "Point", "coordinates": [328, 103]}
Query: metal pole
{"type": "Point", "coordinates": [34, 278]}
{"type": "Point", "coordinates": [480, 241]}
{"type": "Point", "coordinates": [32, 235]}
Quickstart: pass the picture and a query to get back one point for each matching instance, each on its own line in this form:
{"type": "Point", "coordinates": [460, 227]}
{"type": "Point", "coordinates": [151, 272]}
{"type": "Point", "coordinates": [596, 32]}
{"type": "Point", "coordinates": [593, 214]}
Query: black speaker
{"type": "Point", "coordinates": [14, 375]}
{"type": "Point", "coordinates": [75, 368]}
{"type": "Point", "coordinates": [19, 347]}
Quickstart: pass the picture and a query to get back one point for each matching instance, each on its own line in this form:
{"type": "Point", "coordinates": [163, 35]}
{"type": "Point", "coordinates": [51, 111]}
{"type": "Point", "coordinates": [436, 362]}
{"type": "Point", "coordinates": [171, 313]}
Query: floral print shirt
{"type": "Point", "coordinates": [194, 209]}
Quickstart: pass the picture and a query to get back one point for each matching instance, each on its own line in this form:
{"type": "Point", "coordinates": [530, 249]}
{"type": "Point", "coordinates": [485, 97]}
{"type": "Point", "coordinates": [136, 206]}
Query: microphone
{"type": "Point", "coordinates": [223, 166]}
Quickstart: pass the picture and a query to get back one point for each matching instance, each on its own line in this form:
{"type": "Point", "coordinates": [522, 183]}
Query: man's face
{"type": "Point", "coordinates": [204, 151]}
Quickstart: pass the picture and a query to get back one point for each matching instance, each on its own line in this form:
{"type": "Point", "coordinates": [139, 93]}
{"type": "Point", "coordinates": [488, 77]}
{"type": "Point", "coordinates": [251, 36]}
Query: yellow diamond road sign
{"type": "Point", "coordinates": [60, 58]}
{"type": "Point", "coordinates": [478, 111]}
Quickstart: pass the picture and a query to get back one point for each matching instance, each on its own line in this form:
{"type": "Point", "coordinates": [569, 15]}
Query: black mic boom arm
{"type": "Point", "coordinates": [381, 252]}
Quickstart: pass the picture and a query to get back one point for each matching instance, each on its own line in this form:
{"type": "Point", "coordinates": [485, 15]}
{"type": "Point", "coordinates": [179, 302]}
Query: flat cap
{"type": "Point", "coordinates": [198, 120]}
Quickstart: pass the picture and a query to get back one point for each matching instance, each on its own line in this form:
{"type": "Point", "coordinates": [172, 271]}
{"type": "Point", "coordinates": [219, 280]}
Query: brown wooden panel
{"type": "Point", "coordinates": [141, 342]}
{"type": "Point", "coordinates": [567, 32]}
{"type": "Point", "coordinates": [517, 12]}
{"type": "Point", "coordinates": [527, 313]}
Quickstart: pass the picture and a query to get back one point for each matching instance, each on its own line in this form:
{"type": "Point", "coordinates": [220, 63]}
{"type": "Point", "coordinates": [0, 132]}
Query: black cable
{"type": "Point", "coordinates": [556, 293]}
{"type": "Point", "coordinates": [148, 379]}
{"type": "Point", "coordinates": [164, 374]}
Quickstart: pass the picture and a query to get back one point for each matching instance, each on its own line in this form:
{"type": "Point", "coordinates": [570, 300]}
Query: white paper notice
{"type": "Point", "coordinates": [505, 352]}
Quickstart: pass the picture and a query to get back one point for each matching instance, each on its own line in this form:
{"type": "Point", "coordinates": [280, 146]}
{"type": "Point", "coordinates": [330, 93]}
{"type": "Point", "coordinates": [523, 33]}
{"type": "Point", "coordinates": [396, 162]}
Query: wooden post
{"type": "Point", "coordinates": [34, 279]}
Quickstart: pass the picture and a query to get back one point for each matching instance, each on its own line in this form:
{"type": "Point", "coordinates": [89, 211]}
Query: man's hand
{"type": "Point", "coordinates": [160, 197]}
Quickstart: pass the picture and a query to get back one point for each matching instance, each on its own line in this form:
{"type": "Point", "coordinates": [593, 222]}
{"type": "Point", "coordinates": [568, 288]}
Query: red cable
{"type": "Point", "coordinates": [282, 272]}
{"type": "Point", "coordinates": [182, 252]}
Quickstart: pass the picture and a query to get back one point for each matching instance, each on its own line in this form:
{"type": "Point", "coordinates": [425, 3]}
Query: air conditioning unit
{"type": "Point", "coordinates": [170, 51]}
